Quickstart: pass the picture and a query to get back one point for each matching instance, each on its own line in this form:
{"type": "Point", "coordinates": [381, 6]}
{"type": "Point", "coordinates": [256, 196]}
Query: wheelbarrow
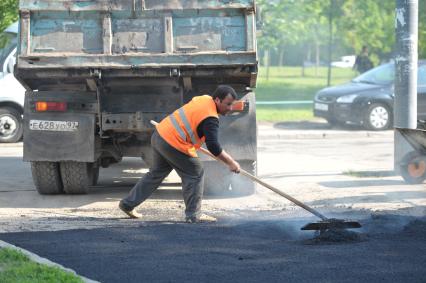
{"type": "Point", "coordinates": [413, 164]}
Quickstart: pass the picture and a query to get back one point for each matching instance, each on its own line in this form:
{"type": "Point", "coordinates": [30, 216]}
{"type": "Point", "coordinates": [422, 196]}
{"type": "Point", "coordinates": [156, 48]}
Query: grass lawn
{"type": "Point", "coordinates": [286, 84]}
{"type": "Point", "coordinates": [284, 113]}
{"type": "Point", "coordinates": [17, 267]}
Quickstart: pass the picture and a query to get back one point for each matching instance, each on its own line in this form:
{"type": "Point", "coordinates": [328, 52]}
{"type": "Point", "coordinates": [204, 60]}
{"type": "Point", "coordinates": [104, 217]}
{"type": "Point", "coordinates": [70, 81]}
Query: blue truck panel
{"type": "Point", "coordinates": [52, 29]}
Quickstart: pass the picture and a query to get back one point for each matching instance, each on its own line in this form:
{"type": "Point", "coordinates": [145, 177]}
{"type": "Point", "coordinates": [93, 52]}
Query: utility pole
{"type": "Point", "coordinates": [405, 105]}
{"type": "Point", "coordinates": [330, 40]}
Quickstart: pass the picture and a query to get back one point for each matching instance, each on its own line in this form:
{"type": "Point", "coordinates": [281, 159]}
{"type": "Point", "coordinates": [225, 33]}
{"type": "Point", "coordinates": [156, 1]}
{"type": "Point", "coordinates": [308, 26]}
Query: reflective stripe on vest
{"type": "Point", "coordinates": [176, 126]}
{"type": "Point", "coordinates": [185, 125]}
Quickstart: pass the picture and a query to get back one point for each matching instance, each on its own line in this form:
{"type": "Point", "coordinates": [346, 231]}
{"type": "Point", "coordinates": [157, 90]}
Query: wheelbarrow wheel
{"type": "Point", "coordinates": [413, 168]}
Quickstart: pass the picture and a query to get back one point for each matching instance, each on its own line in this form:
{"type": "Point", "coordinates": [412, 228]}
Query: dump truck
{"type": "Point", "coordinates": [97, 71]}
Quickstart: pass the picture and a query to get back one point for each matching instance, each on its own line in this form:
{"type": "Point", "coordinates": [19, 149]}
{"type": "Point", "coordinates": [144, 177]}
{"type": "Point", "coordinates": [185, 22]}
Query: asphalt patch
{"type": "Point", "coordinates": [249, 251]}
{"type": "Point", "coordinates": [336, 236]}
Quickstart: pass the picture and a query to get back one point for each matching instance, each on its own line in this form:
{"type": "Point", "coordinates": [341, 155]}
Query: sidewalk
{"type": "Point", "coordinates": [313, 130]}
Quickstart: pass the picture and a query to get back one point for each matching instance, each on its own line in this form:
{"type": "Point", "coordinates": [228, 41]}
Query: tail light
{"type": "Point", "coordinates": [42, 106]}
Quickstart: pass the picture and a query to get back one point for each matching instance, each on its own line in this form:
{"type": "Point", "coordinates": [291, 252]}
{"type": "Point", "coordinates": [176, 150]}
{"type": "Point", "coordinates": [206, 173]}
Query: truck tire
{"type": "Point", "coordinates": [46, 177]}
{"type": "Point", "coordinates": [77, 176]}
{"type": "Point", "coordinates": [413, 168]}
{"type": "Point", "coordinates": [95, 175]}
{"type": "Point", "coordinates": [11, 127]}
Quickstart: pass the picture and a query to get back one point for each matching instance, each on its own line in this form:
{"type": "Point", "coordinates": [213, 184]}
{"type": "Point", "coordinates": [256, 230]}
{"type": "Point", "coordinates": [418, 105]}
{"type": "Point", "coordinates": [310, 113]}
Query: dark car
{"type": "Point", "coordinates": [368, 99]}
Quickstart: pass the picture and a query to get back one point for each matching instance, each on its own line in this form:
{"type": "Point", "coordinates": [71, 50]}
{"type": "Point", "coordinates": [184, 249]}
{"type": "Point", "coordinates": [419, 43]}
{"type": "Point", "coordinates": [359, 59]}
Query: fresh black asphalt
{"type": "Point", "coordinates": [250, 251]}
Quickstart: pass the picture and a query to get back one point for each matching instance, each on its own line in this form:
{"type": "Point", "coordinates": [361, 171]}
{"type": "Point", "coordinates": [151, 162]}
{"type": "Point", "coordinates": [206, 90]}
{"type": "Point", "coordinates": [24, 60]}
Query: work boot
{"type": "Point", "coordinates": [203, 218]}
{"type": "Point", "coordinates": [130, 212]}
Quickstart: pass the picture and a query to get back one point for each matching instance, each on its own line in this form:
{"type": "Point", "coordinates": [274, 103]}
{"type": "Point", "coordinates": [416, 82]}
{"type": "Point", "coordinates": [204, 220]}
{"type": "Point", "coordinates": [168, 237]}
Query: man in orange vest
{"type": "Point", "coordinates": [175, 142]}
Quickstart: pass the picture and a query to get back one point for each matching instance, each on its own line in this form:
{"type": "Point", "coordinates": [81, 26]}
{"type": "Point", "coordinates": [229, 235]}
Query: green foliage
{"type": "Point", "coordinates": [10, 255]}
{"type": "Point", "coordinates": [422, 29]}
{"type": "Point", "coordinates": [281, 114]}
{"type": "Point", "coordinates": [370, 174]}
{"type": "Point", "coordinates": [304, 23]}
{"type": "Point", "coordinates": [16, 267]}
{"type": "Point", "coordinates": [368, 23]}
{"type": "Point", "coordinates": [290, 22]}
{"type": "Point", "coordinates": [8, 13]}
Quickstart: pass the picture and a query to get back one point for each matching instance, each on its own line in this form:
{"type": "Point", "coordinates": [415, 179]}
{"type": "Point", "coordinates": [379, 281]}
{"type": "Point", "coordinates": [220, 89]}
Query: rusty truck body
{"type": "Point", "coordinates": [97, 71]}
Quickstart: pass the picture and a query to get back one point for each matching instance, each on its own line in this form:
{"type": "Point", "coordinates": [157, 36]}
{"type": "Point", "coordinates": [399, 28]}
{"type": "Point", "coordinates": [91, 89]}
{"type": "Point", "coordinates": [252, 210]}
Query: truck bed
{"type": "Point", "coordinates": [59, 39]}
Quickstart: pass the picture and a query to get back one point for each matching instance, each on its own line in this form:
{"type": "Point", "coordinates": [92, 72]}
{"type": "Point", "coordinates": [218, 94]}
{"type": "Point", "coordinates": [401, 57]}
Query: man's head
{"type": "Point", "coordinates": [223, 97]}
{"type": "Point", "coordinates": [364, 49]}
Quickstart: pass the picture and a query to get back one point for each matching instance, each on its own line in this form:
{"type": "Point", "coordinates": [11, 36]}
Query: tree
{"type": "Point", "coordinates": [8, 13]}
{"type": "Point", "coordinates": [316, 23]}
{"type": "Point", "coordinates": [370, 23]}
{"type": "Point", "coordinates": [422, 29]}
{"type": "Point", "coordinates": [283, 25]}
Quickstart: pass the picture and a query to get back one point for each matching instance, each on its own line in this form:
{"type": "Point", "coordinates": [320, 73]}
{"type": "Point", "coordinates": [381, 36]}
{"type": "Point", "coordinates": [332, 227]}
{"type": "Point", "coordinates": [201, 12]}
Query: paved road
{"type": "Point", "coordinates": [254, 251]}
{"type": "Point", "coordinates": [258, 237]}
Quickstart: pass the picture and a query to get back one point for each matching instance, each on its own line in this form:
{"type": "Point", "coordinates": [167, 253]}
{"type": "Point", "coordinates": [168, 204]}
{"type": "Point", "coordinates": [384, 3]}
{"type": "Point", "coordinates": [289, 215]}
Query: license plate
{"type": "Point", "coordinates": [57, 126]}
{"type": "Point", "coordinates": [321, 106]}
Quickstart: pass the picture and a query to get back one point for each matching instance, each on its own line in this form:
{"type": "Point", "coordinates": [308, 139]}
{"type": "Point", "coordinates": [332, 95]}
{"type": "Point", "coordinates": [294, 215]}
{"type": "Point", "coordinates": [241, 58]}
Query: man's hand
{"type": "Point", "coordinates": [235, 167]}
{"type": "Point", "coordinates": [232, 164]}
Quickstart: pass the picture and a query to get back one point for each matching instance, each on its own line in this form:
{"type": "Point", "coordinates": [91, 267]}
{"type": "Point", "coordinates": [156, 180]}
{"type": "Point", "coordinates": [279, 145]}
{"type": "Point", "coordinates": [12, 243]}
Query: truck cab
{"type": "Point", "coordinates": [12, 93]}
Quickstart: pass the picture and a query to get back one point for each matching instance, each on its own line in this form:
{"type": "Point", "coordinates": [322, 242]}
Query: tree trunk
{"type": "Point", "coordinates": [317, 56]}
{"type": "Point", "coordinates": [267, 63]}
{"type": "Point", "coordinates": [281, 60]}
{"type": "Point", "coordinates": [330, 41]}
{"type": "Point", "coordinates": [307, 59]}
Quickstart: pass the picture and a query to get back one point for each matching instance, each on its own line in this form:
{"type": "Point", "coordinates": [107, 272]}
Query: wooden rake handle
{"type": "Point", "coordinates": [266, 185]}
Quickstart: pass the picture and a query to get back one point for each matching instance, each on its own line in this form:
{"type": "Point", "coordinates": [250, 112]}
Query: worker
{"type": "Point", "coordinates": [362, 61]}
{"type": "Point", "coordinates": [174, 144]}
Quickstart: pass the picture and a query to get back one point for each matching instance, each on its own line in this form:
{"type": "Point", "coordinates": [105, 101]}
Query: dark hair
{"type": "Point", "coordinates": [222, 91]}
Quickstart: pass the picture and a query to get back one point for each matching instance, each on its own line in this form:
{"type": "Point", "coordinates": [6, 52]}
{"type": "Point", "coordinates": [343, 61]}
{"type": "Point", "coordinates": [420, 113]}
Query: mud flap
{"type": "Point", "coordinates": [59, 136]}
{"type": "Point", "coordinates": [238, 136]}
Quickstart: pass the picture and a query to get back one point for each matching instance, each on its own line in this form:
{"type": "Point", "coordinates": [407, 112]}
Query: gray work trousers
{"type": "Point", "coordinates": [166, 158]}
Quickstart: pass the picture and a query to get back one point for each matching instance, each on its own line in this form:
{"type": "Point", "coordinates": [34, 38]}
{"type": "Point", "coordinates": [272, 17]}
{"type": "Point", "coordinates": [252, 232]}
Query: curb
{"type": "Point", "coordinates": [44, 261]}
{"type": "Point", "coordinates": [315, 129]}
{"type": "Point", "coordinates": [297, 134]}
{"type": "Point", "coordinates": [16, 144]}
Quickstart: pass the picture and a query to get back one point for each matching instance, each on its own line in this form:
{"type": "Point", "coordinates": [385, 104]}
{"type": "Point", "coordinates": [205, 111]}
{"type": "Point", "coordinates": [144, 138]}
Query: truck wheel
{"type": "Point", "coordinates": [46, 177]}
{"type": "Point", "coordinates": [77, 176]}
{"type": "Point", "coordinates": [217, 179]}
{"type": "Point", "coordinates": [95, 175]}
{"type": "Point", "coordinates": [11, 128]}
{"type": "Point", "coordinates": [413, 168]}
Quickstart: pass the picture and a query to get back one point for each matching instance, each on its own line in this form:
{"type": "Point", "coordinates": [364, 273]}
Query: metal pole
{"type": "Point", "coordinates": [405, 105]}
{"type": "Point", "coordinates": [330, 40]}
{"type": "Point", "coordinates": [406, 24]}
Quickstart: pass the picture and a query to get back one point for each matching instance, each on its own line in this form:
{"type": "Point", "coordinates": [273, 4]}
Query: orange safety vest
{"type": "Point", "coordinates": [179, 129]}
